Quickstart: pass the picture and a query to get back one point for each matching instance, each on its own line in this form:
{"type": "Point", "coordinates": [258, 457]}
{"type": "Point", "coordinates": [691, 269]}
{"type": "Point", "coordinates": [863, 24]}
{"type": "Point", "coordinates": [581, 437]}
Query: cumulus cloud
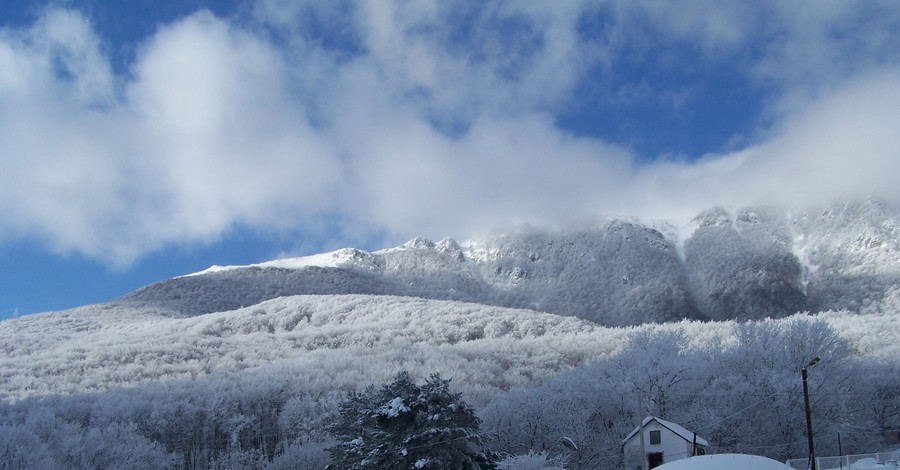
{"type": "Point", "coordinates": [204, 137]}
{"type": "Point", "coordinates": [437, 120]}
{"type": "Point", "coordinates": [841, 147]}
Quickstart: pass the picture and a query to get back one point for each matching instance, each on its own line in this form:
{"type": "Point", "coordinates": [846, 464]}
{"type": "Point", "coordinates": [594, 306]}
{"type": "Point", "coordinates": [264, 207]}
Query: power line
{"type": "Point", "coordinates": [751, 446]}
{"type": "Point", "coordinates": [715, 423]}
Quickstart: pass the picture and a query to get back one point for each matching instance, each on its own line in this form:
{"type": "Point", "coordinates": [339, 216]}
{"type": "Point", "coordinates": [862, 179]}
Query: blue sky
{"type": "Point", "coordinates": [143, 140]}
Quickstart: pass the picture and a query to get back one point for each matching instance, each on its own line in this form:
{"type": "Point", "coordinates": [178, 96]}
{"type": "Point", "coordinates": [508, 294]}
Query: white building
{"type": "Point", "coordinates": [664, 442]}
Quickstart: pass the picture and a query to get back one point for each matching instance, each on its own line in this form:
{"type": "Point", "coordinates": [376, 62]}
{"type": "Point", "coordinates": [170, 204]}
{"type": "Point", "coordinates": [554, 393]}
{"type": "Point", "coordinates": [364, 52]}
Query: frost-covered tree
{"type": "Point", "coordinates": [406, 426]}
{"type": "Point", "coordinates": [302, 453]}
{"type": "Point", "coordinates": [531, 461]}
{"type": "Point", "coordinates": [21, 449]}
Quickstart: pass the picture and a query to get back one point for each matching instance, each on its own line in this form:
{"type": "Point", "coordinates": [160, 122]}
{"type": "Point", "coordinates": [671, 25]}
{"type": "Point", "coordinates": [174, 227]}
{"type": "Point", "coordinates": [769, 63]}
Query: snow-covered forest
{"type": "Point", "coordinates": [545, 334]}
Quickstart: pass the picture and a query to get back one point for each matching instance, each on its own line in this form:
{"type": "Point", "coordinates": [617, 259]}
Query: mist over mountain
{"type": "Point", "coordinates": [749, 263]}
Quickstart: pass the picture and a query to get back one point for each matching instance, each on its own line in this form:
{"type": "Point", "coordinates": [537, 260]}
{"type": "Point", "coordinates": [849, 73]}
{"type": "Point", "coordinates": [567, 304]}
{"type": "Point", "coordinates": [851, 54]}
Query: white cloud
{"type": "Point", "coordinates": [838, 146]}
{"type": "Point", "coordinates": [227, 137]}
{"type": "Point", "coordinates": [425, 124]}
{"type": "Point", "coordinates": [715, 27]}
{"type": "Point", "coordinates": [205, 137]}
{"type": "Point", "coordinates": [842, 146]}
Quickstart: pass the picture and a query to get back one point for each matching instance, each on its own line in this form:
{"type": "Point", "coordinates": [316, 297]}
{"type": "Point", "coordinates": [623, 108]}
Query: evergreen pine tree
{"type": "Point", "coordinates": [406, 426]}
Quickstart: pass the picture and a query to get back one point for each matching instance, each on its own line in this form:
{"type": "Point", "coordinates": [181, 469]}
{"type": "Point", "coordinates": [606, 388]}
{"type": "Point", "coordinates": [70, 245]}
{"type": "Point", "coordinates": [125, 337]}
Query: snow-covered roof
{"type": "Point", "coordinates": [676, 428]}
{"type": "Point", "coordinates": [729, 461]}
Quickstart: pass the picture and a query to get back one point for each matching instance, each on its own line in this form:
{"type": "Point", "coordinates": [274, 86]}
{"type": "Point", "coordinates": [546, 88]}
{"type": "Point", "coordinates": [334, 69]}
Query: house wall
{"type": "Point", "coordinates": [672, 446]}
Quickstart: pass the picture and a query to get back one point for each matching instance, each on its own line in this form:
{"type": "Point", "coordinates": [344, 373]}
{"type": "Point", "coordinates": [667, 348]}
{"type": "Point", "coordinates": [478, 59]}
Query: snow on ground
{"type": "Point", "coordinates": [725, 461]}
{"type": "Point", "coordinates": [866, 464]}
{"type": "Point", "coordinates": [754, 462]}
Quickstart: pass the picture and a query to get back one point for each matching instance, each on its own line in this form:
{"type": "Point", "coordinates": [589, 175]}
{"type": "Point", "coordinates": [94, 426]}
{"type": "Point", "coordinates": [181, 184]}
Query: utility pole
{"type": "Point", "coordinates": [840, 451]}
{"type": "Point", "coordinates": [640, 410]}
{"type": "Point", "coordinates": [809, 431]}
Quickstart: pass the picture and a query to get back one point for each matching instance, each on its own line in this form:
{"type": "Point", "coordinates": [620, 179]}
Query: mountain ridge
{"type": "Point", "coordinates": [748, 263]}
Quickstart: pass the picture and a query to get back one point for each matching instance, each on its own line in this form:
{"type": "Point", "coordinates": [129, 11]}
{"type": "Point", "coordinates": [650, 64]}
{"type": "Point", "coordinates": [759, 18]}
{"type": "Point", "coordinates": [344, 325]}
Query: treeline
{"type": "Point", "coordinates": [741, 391]}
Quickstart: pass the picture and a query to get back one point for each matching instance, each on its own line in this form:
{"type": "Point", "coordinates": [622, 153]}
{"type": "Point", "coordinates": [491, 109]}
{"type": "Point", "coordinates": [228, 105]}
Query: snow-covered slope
{"type": "Point", "coordinates": [260, 378]}
{"type": "Point", "coordinates": [748, 263]}
{"type": "Point", "coordinates": [245, 366]}
{"type": "Point", "coordinates": [98, 347]}
{"type": "Point", "coordinates": [343, 258]}
{"type": "Point", "coordinates": [103, 346]}
{"type": "Point", "coordinates": [852, 252]}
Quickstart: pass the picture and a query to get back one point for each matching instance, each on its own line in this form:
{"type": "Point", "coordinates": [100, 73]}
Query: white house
{"type": "Point", "coordinates": [664, 442]}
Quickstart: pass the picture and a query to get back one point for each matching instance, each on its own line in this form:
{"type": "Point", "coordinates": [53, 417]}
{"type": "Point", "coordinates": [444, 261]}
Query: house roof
{"type": "Point", "coordinates": [675, 428]}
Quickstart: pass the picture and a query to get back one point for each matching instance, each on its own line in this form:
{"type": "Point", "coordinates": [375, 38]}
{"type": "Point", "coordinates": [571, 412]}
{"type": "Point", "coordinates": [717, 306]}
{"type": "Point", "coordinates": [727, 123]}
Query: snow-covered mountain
{"type": "Point", "coordinates": [748, 263]}
{"type": "Point", "coordinates": [245, 366]}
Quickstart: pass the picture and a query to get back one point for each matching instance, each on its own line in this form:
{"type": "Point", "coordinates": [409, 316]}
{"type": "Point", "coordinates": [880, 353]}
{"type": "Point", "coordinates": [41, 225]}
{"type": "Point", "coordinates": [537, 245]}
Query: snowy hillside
{"type": "Point", "coordinates": [547, 334]}
{"type": "Point", "coordinates": [749, 263]}
{"type": "Point", "coordinates": [99, 347]}
{"type": "Point", "coordinates": [105, 346]}
{"type": "Point", "coordinates": [259, 385]}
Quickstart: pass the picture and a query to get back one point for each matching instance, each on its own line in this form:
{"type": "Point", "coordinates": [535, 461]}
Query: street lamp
{"type": "Point", "coordinates": [809, 432]}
